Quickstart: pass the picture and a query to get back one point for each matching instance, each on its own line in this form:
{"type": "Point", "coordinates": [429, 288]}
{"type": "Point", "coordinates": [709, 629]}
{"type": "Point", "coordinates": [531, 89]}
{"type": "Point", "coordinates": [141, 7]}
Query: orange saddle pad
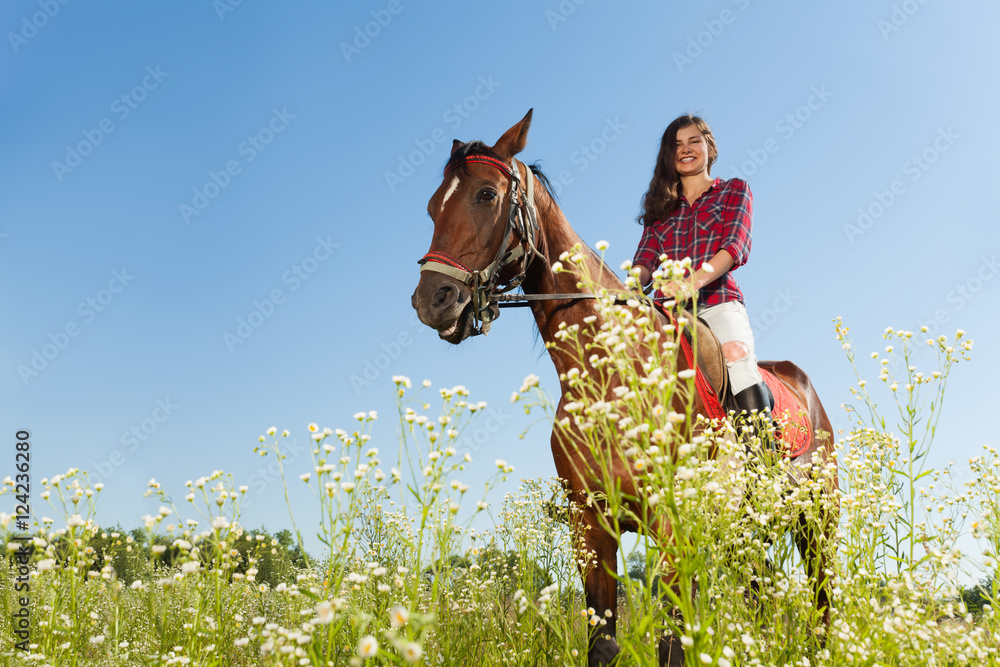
{"type": "Point", "coordinates": [790, 415]}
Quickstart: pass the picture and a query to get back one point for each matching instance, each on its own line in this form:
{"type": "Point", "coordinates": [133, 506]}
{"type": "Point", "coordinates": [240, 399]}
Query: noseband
{"type": "Point", "coordinates": [485, 283]}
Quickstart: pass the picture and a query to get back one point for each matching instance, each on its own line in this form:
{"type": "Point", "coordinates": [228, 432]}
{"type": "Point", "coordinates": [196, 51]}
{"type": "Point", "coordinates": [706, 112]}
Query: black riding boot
{"type": "Point", "coordinates": [757, 398]}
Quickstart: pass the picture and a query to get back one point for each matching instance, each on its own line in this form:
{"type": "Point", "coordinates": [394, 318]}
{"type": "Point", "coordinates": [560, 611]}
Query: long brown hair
{"type": "Point", "coordinates": [664, 192]}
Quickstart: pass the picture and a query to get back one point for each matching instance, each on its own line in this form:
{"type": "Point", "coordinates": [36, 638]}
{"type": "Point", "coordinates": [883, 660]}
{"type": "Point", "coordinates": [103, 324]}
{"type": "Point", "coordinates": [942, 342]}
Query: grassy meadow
{"type": "Point", "coordinates": [403, 580]}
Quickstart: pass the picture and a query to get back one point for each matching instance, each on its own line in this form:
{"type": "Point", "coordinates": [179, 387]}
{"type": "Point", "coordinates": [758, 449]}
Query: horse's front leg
{"type": "Point", "coordinates": [601, 588]}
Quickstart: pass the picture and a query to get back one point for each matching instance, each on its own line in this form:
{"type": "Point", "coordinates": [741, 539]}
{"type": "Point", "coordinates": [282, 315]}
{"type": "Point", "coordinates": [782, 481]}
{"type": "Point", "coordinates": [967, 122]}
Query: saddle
{"type": "Point", "coordinates": [712, 363]}
{"type": "Point", "coordinates": [712, 381]}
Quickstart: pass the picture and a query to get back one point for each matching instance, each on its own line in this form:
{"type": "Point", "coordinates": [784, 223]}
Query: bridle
{"type": "Point", "coordinates": [522, 219]}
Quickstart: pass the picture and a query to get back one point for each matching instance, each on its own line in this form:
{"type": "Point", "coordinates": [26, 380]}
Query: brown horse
{"type": "Point", "coordinates": [492, 234]}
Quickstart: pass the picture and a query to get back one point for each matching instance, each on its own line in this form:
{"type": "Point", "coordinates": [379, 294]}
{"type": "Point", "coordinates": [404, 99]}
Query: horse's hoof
{"type": "Point", "coordinates": [603, 653]}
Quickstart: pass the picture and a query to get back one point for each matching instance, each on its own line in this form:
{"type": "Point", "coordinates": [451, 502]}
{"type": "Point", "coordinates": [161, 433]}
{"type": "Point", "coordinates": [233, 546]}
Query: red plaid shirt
{"type": "Point", "coordinates": [721, 219]}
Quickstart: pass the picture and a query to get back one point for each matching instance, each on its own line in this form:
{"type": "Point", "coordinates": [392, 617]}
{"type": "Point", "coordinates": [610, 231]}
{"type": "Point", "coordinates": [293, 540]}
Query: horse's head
{"type": "Point", "coordinates": [484, 230]}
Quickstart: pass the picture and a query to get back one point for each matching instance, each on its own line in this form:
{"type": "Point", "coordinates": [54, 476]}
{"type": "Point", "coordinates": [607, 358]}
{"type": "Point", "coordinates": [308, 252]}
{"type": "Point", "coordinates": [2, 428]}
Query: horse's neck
{"type": "Point", "coordinates": [557, 237]}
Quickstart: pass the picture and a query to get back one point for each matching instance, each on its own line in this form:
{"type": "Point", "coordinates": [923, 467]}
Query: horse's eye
{"type": "Point", "coordinates": [486, 195]}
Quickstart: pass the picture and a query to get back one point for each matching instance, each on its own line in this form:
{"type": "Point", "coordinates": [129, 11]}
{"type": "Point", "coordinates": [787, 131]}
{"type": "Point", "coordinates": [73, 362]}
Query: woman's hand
{"type": "Point", "coordinates": [678, 290]}
{"type": "Point", "coordinates": [644, 277]}
{"type": "Point", "coordinates": [685, 289]}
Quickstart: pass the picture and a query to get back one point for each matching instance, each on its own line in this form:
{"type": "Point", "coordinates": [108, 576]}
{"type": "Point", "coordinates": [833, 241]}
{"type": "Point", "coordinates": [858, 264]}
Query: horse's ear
{"type": "Point", "coordinates": [455, 145]}
{"type": "Point", "coordinates": [514, 140]}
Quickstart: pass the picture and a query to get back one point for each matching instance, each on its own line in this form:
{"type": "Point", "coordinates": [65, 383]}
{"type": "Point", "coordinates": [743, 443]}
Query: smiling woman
{"type": "Point", "coordinates": [687, 213]}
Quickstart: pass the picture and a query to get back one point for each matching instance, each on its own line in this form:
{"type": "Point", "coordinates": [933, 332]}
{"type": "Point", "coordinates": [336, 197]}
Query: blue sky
{"type": "Point", "coordinates": [170, 170]}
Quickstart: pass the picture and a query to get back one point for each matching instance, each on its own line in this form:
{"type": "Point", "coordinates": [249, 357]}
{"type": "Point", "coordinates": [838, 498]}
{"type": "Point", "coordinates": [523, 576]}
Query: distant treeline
{"type": "Point", "coordinates": [137, 554]}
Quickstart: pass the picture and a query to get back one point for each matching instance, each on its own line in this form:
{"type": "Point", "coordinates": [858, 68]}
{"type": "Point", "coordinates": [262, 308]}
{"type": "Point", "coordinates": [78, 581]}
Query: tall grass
{"type": "Point", "coordinates": [410, 576]}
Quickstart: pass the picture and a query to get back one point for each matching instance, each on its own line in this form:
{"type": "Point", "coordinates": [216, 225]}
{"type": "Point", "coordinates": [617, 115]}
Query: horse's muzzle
{"type": "Point", "coordinates": [441, 303]}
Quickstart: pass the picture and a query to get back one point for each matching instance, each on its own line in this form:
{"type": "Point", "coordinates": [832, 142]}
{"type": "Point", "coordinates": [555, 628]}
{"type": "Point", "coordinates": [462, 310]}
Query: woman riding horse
{"type": "Point", "coordinates": [497, 227]}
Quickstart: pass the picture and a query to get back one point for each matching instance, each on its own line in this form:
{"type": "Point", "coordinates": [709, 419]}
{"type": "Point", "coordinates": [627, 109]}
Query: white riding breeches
{"type": "Point", "coordinates": [729, 322]}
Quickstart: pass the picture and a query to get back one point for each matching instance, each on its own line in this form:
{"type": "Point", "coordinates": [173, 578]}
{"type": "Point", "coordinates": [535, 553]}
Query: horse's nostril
{"type": "Point", "coordinates": [444, 296]}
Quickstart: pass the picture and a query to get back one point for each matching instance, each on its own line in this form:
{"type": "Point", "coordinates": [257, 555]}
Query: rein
{"type": "Point", "coordinates": [523, 300]}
